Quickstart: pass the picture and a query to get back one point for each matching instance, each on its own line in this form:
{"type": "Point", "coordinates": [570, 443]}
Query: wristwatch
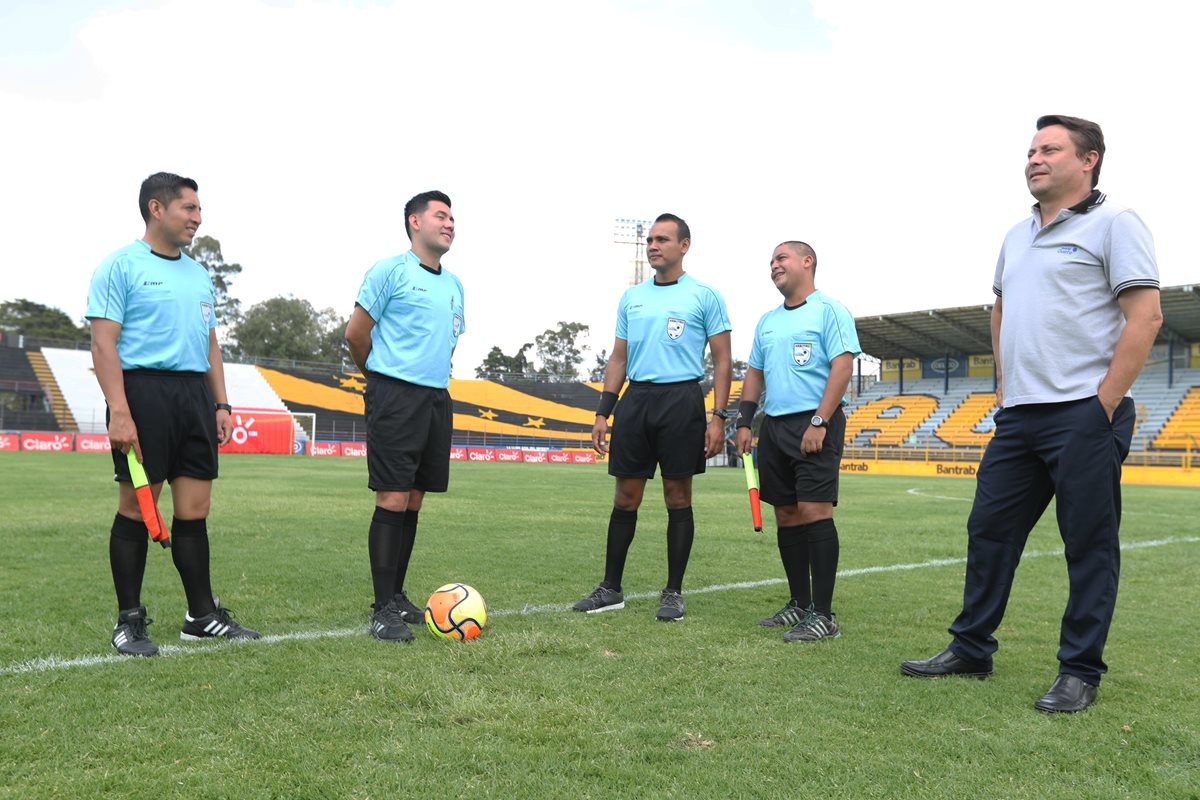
{"type": "Point", "coordinates": [223, 407]}
{"type": "Point", "coordinates": [817, 421]}
{"type": "Point", "coordinates": [722, 413]}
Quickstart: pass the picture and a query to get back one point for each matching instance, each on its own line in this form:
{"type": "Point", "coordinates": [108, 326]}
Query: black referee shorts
{"type": "Point", "coordinates": [786, 475]}
{"type": "Point", "coordinates": [408, 435]}
{"type": "Point", "coordinates": [176, 425]}
{"type": "Point", "coordinates": [658, 424]}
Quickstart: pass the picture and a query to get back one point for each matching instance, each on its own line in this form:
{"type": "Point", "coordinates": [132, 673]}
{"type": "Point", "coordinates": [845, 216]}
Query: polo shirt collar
{"type": "Point", "coordinates": [1093, 200]}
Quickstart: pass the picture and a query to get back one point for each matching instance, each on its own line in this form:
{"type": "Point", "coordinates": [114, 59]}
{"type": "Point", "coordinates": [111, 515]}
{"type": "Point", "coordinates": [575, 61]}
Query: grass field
{"type": "Point", "coordinates": [551, 704]}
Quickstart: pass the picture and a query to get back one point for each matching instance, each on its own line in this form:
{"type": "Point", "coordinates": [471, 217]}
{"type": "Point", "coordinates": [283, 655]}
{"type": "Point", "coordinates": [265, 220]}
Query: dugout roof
{"type": "Point", "coordinates": [967, 329]}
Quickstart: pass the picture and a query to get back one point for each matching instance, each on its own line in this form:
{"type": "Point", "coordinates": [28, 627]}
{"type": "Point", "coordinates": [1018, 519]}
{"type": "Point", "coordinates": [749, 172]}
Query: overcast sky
{"type": "Point", "coordinates": [889, 135]}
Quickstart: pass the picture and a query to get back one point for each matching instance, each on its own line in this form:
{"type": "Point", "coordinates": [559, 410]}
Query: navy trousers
{"type": "Point", "coordinates": [1072, 452]}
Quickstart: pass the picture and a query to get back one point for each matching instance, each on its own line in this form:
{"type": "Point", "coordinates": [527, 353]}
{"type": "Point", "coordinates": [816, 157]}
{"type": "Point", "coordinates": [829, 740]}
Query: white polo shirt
{"type": "Point", "coordinates": [1059, 285]}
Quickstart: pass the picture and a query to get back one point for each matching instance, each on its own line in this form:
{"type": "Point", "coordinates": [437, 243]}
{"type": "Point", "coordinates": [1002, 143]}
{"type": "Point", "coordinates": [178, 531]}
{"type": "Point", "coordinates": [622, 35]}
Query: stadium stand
{"type": "Point", "coordinates": [58, 406]}
{"type": "Point", "coordinates": [72, 370]}
{"type": "Point", "coordinates": [24, 403]}
{"type": "Point", "coordinates": [1182, 429]}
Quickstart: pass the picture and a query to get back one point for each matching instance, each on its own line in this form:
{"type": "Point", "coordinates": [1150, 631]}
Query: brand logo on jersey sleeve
{"type": "Point", "coordinates": [675, 327]}
{"type": "Point", "coordinates": [457, 325]}
{"type": "Point", "coordinates": [801, 352]}
{"type": "Point", "coordinates": [206, 312]}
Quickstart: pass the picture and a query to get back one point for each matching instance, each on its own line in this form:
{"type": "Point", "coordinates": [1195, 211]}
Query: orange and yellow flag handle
{"type": "Point", "coordinates": [145, 497]}
{"type": "Point", "coordinates": [752, 488]}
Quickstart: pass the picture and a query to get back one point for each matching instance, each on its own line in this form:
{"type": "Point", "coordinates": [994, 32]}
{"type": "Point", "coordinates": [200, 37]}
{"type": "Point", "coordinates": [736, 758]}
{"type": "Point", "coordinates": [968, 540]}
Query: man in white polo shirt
{"type": "Point", "coordinates": [1077, 311]}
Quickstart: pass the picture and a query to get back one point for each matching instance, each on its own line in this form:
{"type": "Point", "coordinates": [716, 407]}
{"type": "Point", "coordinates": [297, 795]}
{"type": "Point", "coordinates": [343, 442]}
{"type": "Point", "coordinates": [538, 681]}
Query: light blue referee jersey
{"type": "Point", "coordinates": [667, 326]}
{"type": "Point", "coordinates": [164, 306]}
{"type": "Point", "coordinates": [418, 317]}
{"type": "Point", "coordinates": [794, 347]}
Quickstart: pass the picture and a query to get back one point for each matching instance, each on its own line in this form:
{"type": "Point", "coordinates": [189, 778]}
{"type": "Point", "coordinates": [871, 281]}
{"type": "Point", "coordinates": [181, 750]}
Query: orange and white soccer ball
{"type": "Point", "coordinates": [456, 611]}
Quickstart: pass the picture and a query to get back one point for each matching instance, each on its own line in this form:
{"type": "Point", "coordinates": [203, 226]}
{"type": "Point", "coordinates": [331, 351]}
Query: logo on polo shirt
{"type": "Point", "coordinates": [801, 352]}
{"type": "Point", "coordinates": [206, 312]}
{"type": "Point", "coordinates": [1068, 250]}
{"type": "Point", "coordinates": [675, 327]}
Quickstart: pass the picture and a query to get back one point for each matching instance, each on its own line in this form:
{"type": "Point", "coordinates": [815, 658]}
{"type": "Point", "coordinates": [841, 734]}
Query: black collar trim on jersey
{"type": "Point", "coordinates": [803, 302]}
{"type": "Point", "coordinates": [671, 283]}
{"type": "Point", "coordinates": [430, 269]}
{"type": "Point", "coordinates": [1093, 200]}
{"type": "Point", "coordinates": [175, 257]}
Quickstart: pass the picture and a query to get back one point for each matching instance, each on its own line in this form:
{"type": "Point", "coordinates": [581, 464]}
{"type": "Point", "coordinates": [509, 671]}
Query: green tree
{"type": "Point", "coordinates": [737, 367]}
{"type": "Point", "coordinates": [207, 251]}
{"type": "Point", "coordinates": [600, 367]}
{"type": "Point", "coordinates": [290, 328]}
{"type": "Point", "coordinates": [559, 351]}
{"type": "Point", "coordinates": [500, 367]}
{"type": "Point", "coordinates": [26, 318]}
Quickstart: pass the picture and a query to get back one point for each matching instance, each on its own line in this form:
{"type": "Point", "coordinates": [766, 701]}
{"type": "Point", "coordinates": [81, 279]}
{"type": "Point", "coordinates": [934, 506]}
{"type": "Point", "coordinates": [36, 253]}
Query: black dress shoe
{"type": "Point", "coordinates": [1067, 695]}
{"type": "Point", "coordinates": [946, 663]}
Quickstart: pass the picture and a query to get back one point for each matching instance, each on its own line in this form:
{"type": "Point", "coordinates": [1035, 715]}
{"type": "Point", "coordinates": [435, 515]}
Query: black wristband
{"type": "Point", "coordinates": [746, 412]}
{"type": "Point", "coordinates": [608, 401]}
{"type": "Point", "coordinates": [223, 407]}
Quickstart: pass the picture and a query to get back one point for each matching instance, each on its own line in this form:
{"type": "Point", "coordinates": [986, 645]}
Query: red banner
{"type": "Point", "coordinates": [481, 454]}
{"type": "Point", "coordinates": [583, 457]}
{"type": "Point", "coordinates": [559, 457]}
{"type": "Point", "coordinates": [326, 448]}
{"type": "Point", "coordinates": [533, 456]}
{"type": "Point", "coordinates": [508, 455]}
{"type": "Point", "coordinates": [9, 441]}
{"type": "Point", "coordinates": [46, 442]}
{"type": "Point", "coordinates": [264, 431]}
{"type": "Point", "coordinates": [358, 449]}
{"type": "Point", "coordinates": [92, 443]}
{"type": "Point", "coordinates": [458, 454]}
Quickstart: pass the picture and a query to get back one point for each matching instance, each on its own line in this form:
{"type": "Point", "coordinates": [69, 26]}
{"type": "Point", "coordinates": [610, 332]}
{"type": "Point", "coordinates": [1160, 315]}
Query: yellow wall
{"type": "Point", "coordinates": [981, 366]}
{"type": "Point", "coordinates": [889, 370]}
{"type": "Point", "coordinates": [1194, 361]}
{"type": "Point", "coordinates": [1153, 476]}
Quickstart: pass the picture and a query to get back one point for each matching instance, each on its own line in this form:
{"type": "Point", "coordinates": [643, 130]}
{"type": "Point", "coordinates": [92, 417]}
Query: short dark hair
{"type": "Point", "coordinates": [803, 249]}
{"type": "Point", "coordinates": [682, 227]}
{"type": "Point", "coordinates": [1085, 134]}
{"type": "Point", "coordinates": [163, 187]}
{"type": "Point", "coordinates": [419, 203]}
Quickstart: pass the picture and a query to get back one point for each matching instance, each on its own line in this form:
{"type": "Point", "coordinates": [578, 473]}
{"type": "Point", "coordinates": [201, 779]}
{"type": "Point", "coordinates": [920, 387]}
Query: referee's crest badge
{"type": "Point", "coordinates": [457, 325]}
{"type": "Point", "coordinates": [206, 312]}
{"type": "Point", "coordinates": [801, 352]}
{"type": "Point", "coordinates": [675, 327]}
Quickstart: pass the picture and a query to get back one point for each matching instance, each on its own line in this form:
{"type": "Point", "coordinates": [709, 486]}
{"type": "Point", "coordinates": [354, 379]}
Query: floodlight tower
{"type": "Point", "coordinates": [634, 231]}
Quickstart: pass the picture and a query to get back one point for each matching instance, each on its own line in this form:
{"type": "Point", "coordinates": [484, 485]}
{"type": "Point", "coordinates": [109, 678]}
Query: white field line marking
{"type": "Point", "coordinates": [920, 493]}
{"type": "Point", "coordinates": [1125, 513]}
{"type": "Point", "coordinates": [48, 663]}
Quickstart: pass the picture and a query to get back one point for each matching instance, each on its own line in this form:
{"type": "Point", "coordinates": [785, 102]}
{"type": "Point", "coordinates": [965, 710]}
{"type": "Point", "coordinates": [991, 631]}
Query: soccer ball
{"type": "Point", "coordinates": [455, 611]}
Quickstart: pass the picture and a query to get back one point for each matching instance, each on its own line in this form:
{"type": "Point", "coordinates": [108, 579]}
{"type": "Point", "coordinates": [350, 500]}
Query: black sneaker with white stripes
{"type": "Point", "coordinates": [602, 598]}
{"type": "Point", "coordinates": [409, 612]}
{"type": "Point", "coordinates": [813, 628]}
{"type": "Point", "coordinates": [218, 623]}
{"type": "Point", "coordinates": [387, 624]}
{"type": "Point", "coordinates": [789, 616]}
{"type": "Point", "coordinates": [129, 635]}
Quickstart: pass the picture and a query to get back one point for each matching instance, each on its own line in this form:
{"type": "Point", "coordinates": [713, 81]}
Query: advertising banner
{"type": "Point", "coordinates": [46, 442]}
{"type": "Point", "coordinates": [264, 431]}
{"type": "Point", "coordinates": [92, 443]}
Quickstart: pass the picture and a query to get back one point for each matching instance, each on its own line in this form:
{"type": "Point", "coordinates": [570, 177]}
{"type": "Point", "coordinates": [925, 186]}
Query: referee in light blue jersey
{"type": "Point", "coordinates": [402, 335]}
{"type": "Point", "coordinates": [803, 353]}
{"type": "Point", "coordinates": [154, 348]}
{"type": "Point", "coordinates": [663, 326]}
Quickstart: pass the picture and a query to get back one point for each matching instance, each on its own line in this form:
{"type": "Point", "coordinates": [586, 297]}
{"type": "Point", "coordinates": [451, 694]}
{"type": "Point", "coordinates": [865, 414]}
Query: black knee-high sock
{"type": "Point", "coordinates": [407, 538]}
{"type": "Point", "coordinates": [681, 530]}
{"type": "Point", "coordinates": [189, 551]}
{"type": "Point", "coordinates": [621, 527]}
{"type": "Point", "coordinates": [127, 543]}
{"type": "Point", "coordinates": [383, 545]}
{"type": "Point", "coordinates": [823, 552]}
{"type": "Point", "coordinates": [793, 552]}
